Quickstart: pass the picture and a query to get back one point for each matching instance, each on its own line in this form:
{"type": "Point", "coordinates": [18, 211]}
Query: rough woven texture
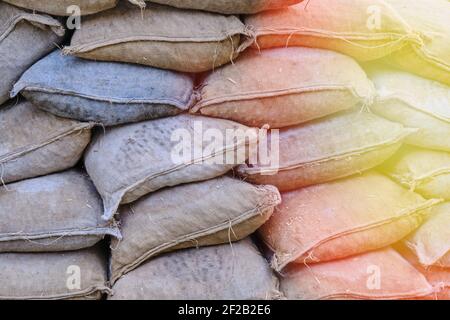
{"type": "Point", "coordinates": [59, 212]}
{"type": "Point", "coordinates": [342, 218]}
{"type": "Point", "coordinates": [328, 149]}
{"type": "Point", "coordinates": [128, 162]}
{"type": "Point", "coordinates": [229, 7]}
{"type": "Point", "coordinates": [353, 277]}
{"type": "Point", "coordinates": [163, 37]}
{"type": "Point", "coordinates": [223, 272]}
{"type": "Point", "coordinates": [104, 92]}
{"type": "Point", "coordinates": [206, 213]}
{"type": "Point", "coordinates": [44, 276]}
{"type": "Point", "coordinates": [416, 103]}
{"type": "Point", "coordinates": [431, 242]}
{"type": "Point", "coordinates": [35, 143]}
{"type": "Point", "coordinates": [425, 171]}
{"type": "Point", "coordinates": [59, 7]}
{"type": "Point", "coordinates": [363, 29]}
{"type": "Point", "coordinates": [24, 39]}
{"type": "Point", "coordinates": [304, 84]}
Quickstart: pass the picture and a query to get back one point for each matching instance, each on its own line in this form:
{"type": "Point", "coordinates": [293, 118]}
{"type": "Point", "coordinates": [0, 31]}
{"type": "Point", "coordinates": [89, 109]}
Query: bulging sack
{"type": "Point", "coordinates": [104, 92]}
{"type": "Point", "coordinates": [130, 161]}
{"type": "Point", "coordinates": [328, 149]}
{"type": "Point", "coordinates": [363, 29]}
{"type": "Point", "coordinates": [284, 87]}
{"type": "Point", "coordinates": [416, 103]}
{"type": "Point", "coordinates": [342, 218]}
{"type": "Point", "coordinates": [206, 213]}
{"type": "Point", "coordinates": [59, 212]}
{"type": "Point", "coordinates": [378, 275]}
{"type": "Point", "coordinates": [35, 143]}
{"type": "Point", "coordinates": [24, 38]}
{"type": "Point", "coordinates": [159, 36]}
{"type": "Point", "coordinates": [64, 7]}
{"type": "Point", "coordinates": [53, 276]}
{"type": "Point", "coordinates": [425, 171]}
{"type": "Point", "coordinates": [223, 272]}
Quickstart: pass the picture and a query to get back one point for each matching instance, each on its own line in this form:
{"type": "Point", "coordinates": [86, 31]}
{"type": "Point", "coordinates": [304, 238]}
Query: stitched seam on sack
{"type": "Point", "coordinates": [82, 293]}
{"type": "Point", "coordinates": [422, 52]}
{"type": "Point", "coordinates": [15, 20]}
{"type": "Point", "coordinates": [419, 180]}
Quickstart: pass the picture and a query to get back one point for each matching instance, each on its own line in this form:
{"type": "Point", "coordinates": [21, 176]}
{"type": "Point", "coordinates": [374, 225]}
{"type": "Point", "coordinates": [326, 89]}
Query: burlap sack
{"type": "Point", "coordinates": [59, 7]}
{"type": "Point", "coordinates": [229, 7]}
{"type": "Point", "coordinates": [431, 242]}
{"type": "Point", "coordinates": [284, 87]}
{"type": "Point", "coordinates": [24, 39]}
{"type": "Point", "coordinates": [424, 171]}
{"type": "Point", "coordinates": [363, 29]}
{"type": "Point", "coordinates": [159, 36]}
{"type": "Point", "coordinates": [104, 92]}
{"type": "Point", "coordinates": [130, 161]}
{"type": "Point", "coordinates": [416, 103]}
{"type": "Point", "coordinates": [328, 149]}
{"type": "Point", "coordinates": [59, 212]}
{"type": "Point", "coordinates": [342, 218]}
{"type": "Point", "coordinates": [223, 210]}
{"type": "Point", "coordinates": [379, 275]}
{"type": "Point", "coordinates": [53, 276]}
{"type": "Point", "coordinates": [223, 272]}
{"type": "Point", "coordinates": [34, 143]}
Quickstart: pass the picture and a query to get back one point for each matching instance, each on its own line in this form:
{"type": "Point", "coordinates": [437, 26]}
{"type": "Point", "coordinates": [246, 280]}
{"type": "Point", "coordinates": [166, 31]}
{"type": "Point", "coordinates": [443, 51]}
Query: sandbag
{"type": "Point", "coordinates": [104, 92]}
{"type": "Point", "coordinates": [328, 149]}
{"type": "Point", "coordinates": [363, 29]}
{"type": "Point", "coordinates": [416, 103]}
{"type": "Point", "coordinates": [130, 161]}
{"type": "Point", "coordinates": [223, 272]}
{"type": "Point", "coordinates": [24, 39]}
{"type": "Point", "coordinates": [425, 171]}
{"type": "Point", "coordinates": [53, 276]}
{"type": "Point", "coordinates": [378, 275]}
{"type": "Point", "coordinates": [223, 210]}
{"type": "Point", "coordinates": [431, 242]}
{"type": "Point", "coordinates": [284, 87]}
{"type": "Point", "coordinates": [35, 143]}
{"type": "Point", "coordinates": [58, 212]}
{"type": "Point", "coordinates": [60, 7]}
{"type": "Point", "coordinates": [162, 37]}
{"type": "Point", "coordinates": [342, 218]}
{"type": "Point", "coordinates": [229, 7]}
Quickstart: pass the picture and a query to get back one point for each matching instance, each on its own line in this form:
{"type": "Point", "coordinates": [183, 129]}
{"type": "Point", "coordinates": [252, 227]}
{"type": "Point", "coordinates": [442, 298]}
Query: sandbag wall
{"type": "Point", "coordinates": [120, 176]}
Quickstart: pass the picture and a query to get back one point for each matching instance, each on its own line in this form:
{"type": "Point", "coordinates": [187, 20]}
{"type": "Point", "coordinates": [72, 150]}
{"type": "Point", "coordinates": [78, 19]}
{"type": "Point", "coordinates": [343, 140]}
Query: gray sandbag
{"type": "Point", "coordinates": [35, 143]}
{"type": "Point", "coordinates": [130, 161]}
{"type": "Point", "coordinates": [223, 272]}
{"type": "Point", "coordinates": [59, 7]}
{"type": "Point", "coordinates": [104, 92]}
{"type": "Point", "coordinates": [24, 39]}
{"type": "Point", "coordinates": [53, 276]}
{"type": "Point", "coordinates": [58, 212]}
{"type": "Point", "coordinates": [222, 210]}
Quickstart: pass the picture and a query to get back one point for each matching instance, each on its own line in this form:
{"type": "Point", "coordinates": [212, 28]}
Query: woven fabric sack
{"type": "Point", "coordinates": [63, 7]}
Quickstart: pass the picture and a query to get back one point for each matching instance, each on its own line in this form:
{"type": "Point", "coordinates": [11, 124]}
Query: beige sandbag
{"type": "Point", "coordinates": [59, 212]}
{"type": "Point", "coordinates": [60, 7]}
{"type": "Point", "coordinates": [378, 275]}
{"type": "Point", "coordinates": [35, 143]}
{"type": "Point", "coordinates": [159, 36]}
{"type": "Point", "coordinates": [130, 161]}
{"type": "Point", "coordinates": [363, 29]}
{"type": "Point", "coordinates": [425, 171]}
{"type": "Point", "coordinates": [223, 272]}
{"type": "Point", "coordinates": [24, 39]}
{"type": "Point", "coordinates": [416, 103]}
{"type": "Point", "coordinates": [222, 210]}
{"type": "Point", "coordinates": [431, 242]}
{"type": "Point", "coordinates": [328, 149]}
{"type": "Point", "coordinates": [284, 87]}
{"type": "Point", "coordinates": [53, 276]}
{"type": "Point", "coordinates": [342, 218]}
